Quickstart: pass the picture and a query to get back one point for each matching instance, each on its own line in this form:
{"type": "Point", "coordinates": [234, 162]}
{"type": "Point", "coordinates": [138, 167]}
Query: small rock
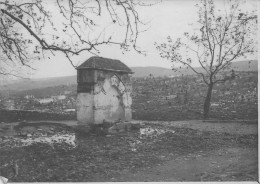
{"type": "Point", "coordinates": [29, 135]}
{"type": "Point", "coordinates": [121, 130]}
{"type": "Point", "coordinates": [2, 122]}
{"type": "Point", "coordinates": [223, 175]}
{"type": "Point", "coordinates": [133, 149]}
{"type": "Point", "coordinates": [39, 129]}
{"type": "Point", "coordinates": [50, 132]}
{"type": "Point", "coordinates": [142, 124]}
{"type": "Point", "coordinates": [120, 127]}
{"type": "Point", "coordinates": [136, 126]}
{"type": "Point", "coordinates": [23, 134]}
{"type": "Point", "coordinates": [128, 126]}
{"type": "Point", "coordinates": [112, 130]}
{"type": "Point", "coordinates": [37, 134]}
{"type": "Point", "coordinates": [52, 129]}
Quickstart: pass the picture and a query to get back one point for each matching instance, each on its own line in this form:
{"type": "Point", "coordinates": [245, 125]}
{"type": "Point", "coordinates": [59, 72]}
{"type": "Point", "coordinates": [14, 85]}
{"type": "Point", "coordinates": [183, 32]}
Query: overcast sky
{"type": "Point", "coordinates": [172, 17]}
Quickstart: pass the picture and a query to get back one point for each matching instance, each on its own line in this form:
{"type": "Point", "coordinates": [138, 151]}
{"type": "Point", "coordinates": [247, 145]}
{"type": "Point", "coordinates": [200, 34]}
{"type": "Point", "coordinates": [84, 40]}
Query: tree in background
{"type": "Point", "coordinates": [29, 29]}
{"type": "Point", "coordinates": [222, 37]}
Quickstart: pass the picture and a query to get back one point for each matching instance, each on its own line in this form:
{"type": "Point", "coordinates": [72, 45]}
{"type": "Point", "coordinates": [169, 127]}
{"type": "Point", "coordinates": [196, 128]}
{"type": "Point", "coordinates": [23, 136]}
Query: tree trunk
{"type": "Point", "coordinates": [207, 101]}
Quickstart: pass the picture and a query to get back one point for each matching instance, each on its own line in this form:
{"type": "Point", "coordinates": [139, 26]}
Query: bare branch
{"type": "Point", "coordinates": [23, 26]}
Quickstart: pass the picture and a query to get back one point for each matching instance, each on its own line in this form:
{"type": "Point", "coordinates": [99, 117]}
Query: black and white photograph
{"type": "Point", "coordinates": [129, 91]}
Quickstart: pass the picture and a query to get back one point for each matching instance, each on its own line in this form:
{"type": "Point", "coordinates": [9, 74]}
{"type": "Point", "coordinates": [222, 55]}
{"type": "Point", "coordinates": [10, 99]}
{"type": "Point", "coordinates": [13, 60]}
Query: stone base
{"type": "Point", "coordinates": [123, 127]}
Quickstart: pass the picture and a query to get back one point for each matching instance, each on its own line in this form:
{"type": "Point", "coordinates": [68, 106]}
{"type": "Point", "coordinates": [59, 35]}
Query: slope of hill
{"type": "Point", "coordinates": [26, 84]}
{"type": "Point", "coordinates": [251, 65]}
{"type": "Point", "coordinates": [155, 71]}
{"type": "Point", "coordinates": [138, 72]}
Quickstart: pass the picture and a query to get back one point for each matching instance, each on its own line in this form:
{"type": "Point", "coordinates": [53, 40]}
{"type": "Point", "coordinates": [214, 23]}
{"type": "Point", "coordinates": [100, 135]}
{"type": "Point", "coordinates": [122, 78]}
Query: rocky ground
{"type": "Point", "coordinates": [158, 151]}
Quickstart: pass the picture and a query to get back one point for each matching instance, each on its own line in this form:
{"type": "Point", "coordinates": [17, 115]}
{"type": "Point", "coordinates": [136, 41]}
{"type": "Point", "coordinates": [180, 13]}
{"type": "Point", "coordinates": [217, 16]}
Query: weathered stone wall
{"type": "Point", "coordinates": [110, 99]}
{"type": "Point", "coordinates": [85, 99]}
{"type": "Point", "coordinates": [85, 104]}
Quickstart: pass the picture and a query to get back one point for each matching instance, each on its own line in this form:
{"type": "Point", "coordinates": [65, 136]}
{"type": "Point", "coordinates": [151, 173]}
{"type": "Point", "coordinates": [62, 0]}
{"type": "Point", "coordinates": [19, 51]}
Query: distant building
{"type": "Point", "coordinates": [69, 110]}
{"type": "Point", "coordinates": [214, 91]}
{"type": "Point", "coordinates": [60, 97]}
{"type": "Point", "coordinates": [9, 104]}
{"type": "Point", "coordinates": [169, 97]}
{"type": "Point", "coordinates": [104, 91]}
{"type": "Point", "coordinates": [67, 92]}
{"type": "Point", "coordinates": [29, 97]}
{"type": "Point", "coordinates": [214, 104]}
{"type": "Point", "coordinates": [227, 92]}
{"type": "Point", "coordinates": [46, 100]}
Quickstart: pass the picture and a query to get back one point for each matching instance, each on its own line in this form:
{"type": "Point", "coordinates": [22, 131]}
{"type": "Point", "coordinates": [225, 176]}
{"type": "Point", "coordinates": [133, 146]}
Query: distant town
{"type": "Point", "coordinates": [176, 96]}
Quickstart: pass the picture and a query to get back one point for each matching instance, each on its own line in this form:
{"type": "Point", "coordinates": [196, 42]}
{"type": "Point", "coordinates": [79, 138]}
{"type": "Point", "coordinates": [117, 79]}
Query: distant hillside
{"type": "Point", "coordinates": [138, 72]}
{"type": "Point", "coordinates": [155, 71]}
{"type": "Point", "coordinates": [251, 65]}
{"type": "Point", "coordinates": [160, 72]}
{"type": "Point", "coordinates": [27, 84]}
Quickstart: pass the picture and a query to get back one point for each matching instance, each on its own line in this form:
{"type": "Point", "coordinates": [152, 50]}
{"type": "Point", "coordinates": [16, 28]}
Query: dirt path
{"type": "Point", "coordinates": [242, 128]}
{"type": "Point", "coordinates": [232, 127]}
{"type": "Point", "coordinates": [226, 164]}
{"type": "Point", "coordinates": [222, 165]}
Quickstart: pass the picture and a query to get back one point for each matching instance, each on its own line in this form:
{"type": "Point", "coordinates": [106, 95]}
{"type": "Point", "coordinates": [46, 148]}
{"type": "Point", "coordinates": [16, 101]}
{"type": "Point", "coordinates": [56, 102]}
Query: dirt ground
{"type": "Point", "coordinates": [225, 164]}
{"type": "Point", "coordinates": [184, 151]}
{"type": "Point", "coordinates": [231, 127]}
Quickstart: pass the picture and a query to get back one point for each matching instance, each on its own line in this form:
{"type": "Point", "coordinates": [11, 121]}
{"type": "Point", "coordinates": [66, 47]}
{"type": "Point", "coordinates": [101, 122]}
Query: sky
{"type": "Point", "coordinates": [167, 18]}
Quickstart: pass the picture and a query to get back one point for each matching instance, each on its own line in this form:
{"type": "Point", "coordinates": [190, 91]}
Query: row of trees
{"type": "Point", "coordinates": [29, 29]}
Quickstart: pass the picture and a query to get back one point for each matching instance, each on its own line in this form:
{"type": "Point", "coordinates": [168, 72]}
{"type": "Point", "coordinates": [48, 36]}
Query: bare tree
{"type": "Point", "coordinates": [31, 28]}
{"type": "Point", "coordinates": [222, 37]}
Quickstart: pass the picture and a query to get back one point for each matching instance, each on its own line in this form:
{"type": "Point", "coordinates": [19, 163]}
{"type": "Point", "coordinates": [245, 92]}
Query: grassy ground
{"type": "Point", "coordinates": [119, 157]}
